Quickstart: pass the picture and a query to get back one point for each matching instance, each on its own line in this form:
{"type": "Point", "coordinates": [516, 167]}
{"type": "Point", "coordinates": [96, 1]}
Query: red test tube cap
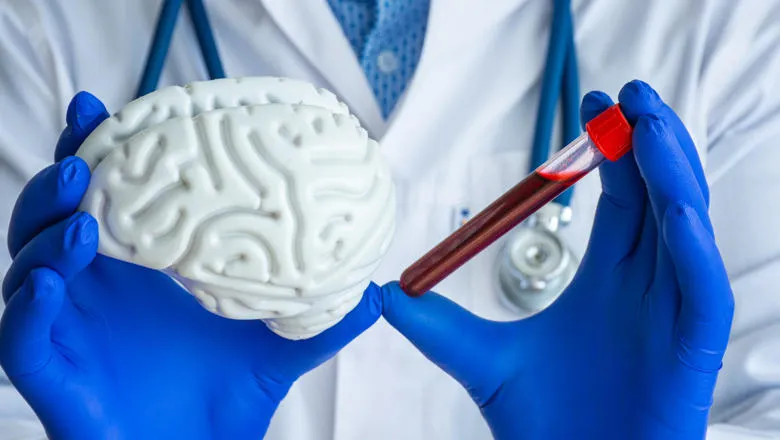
{"type": "Point", "coordinates": [611, 133]}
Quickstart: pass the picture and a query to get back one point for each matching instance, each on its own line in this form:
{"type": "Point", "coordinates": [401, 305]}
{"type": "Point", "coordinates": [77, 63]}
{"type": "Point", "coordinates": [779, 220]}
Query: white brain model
{"type": "Point", "coordinates": [263, 196]}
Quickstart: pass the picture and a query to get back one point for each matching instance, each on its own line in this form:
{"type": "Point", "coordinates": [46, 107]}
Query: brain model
{"type": "Point", "coordinates": [263, 197]}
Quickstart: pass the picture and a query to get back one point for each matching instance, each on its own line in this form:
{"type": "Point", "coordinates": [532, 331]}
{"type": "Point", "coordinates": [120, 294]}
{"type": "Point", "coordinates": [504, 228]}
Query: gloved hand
{"type": "Point", "coordinates": [105, 349]}
{"type": "Point", "coordinates": [632, 348]}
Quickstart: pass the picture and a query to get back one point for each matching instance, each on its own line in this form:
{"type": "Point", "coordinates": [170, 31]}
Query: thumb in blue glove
{"type": "Point", "coordinates": [633, 346]}
{"type": "Point", "coordinates": [100, 348]}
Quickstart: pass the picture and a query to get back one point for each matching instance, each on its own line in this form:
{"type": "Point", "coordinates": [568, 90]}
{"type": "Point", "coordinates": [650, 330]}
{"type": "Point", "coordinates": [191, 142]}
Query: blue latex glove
{"type": "Point", "coordinates": [105, 349]}
{"type": "Point", "coordinates": [632, 348]}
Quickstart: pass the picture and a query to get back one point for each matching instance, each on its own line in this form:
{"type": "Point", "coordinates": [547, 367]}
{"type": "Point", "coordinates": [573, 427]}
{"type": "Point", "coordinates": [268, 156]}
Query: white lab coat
{"type": "Point", "coordinates": [459, 137]}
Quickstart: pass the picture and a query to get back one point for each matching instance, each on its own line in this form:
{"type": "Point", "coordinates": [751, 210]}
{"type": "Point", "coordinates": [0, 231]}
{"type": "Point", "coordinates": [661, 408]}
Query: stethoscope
{"type": "Point", "coordinates": [535, 264]}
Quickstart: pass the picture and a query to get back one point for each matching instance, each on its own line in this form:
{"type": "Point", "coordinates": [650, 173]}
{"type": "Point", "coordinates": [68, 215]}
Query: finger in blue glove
{"type": "Point", "coordinates": [101, 348]}
{"type": "Point", "coordinates": [632, 347]}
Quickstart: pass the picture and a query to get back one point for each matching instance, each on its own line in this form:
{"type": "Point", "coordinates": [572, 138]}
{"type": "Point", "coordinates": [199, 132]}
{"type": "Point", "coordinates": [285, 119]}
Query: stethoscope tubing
{"type": "Point", "coordinates": [560, 81]}
{"type": "Point", "coordinates": [161, 42]}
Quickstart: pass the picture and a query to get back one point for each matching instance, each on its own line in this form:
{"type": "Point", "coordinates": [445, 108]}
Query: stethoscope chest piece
{"type": "Point", "coordinates": [535, 265]}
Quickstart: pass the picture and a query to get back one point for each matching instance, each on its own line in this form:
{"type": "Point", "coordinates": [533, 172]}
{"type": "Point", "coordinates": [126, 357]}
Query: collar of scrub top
{"type": "Point", "coordinates": [560, 80]}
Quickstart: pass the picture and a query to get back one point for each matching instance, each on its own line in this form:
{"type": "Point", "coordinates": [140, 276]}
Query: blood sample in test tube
{"type": "Point", "coordinates": [606, 137]}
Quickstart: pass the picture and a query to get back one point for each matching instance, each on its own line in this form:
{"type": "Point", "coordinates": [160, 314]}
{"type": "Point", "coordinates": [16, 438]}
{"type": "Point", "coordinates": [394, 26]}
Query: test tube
{"type": "Point", "coordinates": [607, 136]}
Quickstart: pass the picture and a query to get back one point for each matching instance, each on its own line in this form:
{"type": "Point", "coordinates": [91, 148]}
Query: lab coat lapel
{"type": "Point", "coordinates": [452, 24]}
{"type": "Point", "coordinates": [313, 29]}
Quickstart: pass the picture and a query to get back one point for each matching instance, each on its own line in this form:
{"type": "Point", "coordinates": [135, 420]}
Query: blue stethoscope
{"type": "Point", "coordinates": [535, 264]}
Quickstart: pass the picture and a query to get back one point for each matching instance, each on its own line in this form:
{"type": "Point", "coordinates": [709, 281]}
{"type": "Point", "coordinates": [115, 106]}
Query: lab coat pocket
{"type": "Point", "coordinates": [424, 213]}
{"type": "Point", "coordinates": [489, 177]}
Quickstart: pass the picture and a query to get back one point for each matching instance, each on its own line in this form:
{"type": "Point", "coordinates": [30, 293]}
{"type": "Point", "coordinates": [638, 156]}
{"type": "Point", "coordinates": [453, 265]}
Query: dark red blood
{"type": "Point", "coordinates": [489, 225]}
